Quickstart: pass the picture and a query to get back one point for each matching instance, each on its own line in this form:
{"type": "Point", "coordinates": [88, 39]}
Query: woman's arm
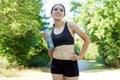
{"type": "Point", "coordinates": [76, 29]}
{"type": "Point", "coordinates": [50, 53]}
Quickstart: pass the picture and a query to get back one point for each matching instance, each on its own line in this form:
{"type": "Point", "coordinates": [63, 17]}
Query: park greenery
{"type": "Point", "coordinates": [20, 40]}
{"type": "Point", "coordinates": [101, 20]}
{"type": "Point", "coordinates": [22, 44]}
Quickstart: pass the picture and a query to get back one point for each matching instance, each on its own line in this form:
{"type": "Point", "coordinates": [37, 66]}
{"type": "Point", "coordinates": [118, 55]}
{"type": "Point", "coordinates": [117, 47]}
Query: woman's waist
{"type": "Point", "coordinates": [62, 60]}
{"type": "Point", "coordinates": [64, 48]}
{"type": "Point", "coordinates": [63, 52]}
{"type": "Point", "coordinates": [63, 55]}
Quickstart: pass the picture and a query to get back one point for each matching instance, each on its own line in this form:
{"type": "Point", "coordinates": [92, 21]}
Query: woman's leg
{"type": "Point", "coordinates": [58, 77]}
{"type": "Point", "coordinates": [71, 78]}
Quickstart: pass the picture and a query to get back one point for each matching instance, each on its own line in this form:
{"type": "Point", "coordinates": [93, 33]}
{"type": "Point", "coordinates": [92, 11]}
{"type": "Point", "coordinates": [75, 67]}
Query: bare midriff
{"type": "Point", "coordinates": [63, 52]}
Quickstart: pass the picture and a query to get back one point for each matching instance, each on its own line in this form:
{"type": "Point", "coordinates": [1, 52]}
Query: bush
{"type": "Point", "coordinates": [91, 52]}
{"type": "Point", "coordinates": [39, 60]}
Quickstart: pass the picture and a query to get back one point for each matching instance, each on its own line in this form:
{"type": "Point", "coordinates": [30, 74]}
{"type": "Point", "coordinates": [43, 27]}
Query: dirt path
{"type": "Point", "coordinates": [35, 75]}
{"type": "Point", "coordinates": [32, 74]}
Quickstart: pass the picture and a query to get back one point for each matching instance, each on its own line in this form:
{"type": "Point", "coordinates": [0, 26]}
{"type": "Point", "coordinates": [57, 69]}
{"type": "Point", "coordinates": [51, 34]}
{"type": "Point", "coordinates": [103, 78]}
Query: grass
{"type": "Point", "coordinates": [9, 72]}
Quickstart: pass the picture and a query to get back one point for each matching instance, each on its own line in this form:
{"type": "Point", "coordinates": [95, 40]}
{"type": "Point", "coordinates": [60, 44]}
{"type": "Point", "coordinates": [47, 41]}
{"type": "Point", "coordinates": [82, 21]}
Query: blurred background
{"type": "Point", "coordinates": [22, 45]}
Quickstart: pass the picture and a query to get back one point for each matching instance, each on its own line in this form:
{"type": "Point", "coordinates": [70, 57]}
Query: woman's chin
{"type": "Point", "coordinates": [58, 17]}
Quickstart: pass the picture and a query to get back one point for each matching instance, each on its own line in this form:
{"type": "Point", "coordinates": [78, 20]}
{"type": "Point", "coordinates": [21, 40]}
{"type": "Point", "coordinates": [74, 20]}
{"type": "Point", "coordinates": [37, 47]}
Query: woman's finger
{"type": "Point", "coordinates": [74, 57]}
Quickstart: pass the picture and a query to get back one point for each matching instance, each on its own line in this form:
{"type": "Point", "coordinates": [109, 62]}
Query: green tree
{"type": "Point", "coordinates": [20, 24]}
{"type": "Point", "coordinates": [101, 20]}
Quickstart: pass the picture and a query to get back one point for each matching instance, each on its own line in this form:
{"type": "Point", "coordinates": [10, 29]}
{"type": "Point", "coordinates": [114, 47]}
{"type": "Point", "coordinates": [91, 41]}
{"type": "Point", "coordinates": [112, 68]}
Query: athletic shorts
{"type": "Point", "coordinates": [67, 68]}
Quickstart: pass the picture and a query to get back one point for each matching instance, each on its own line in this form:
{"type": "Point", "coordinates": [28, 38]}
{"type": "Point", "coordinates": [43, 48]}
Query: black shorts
{"type": "Point", "coordinates": [68, 68]}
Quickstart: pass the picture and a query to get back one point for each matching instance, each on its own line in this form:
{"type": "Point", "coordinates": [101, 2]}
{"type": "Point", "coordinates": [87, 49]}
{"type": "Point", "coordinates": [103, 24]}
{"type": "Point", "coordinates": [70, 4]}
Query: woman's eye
{"type": "Point", "coordinates": [61, 10]}
{"type": "Point", "coordinates": [55, 9]}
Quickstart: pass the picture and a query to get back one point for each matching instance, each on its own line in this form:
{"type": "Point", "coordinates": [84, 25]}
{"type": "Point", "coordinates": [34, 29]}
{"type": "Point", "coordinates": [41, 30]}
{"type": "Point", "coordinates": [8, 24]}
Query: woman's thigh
{"type": "Point", "coordinates": [58, 77]}
{"type": "Point", "coordinates": [71, 78]}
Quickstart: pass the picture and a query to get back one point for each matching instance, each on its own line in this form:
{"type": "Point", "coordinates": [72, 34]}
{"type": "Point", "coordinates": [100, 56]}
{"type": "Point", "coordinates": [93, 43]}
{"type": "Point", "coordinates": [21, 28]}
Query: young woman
{"type": "Point", "coordinates": [64, 60]}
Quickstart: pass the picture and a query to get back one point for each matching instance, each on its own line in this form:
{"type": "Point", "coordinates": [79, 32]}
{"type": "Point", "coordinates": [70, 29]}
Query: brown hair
{"type": "Point", "coordinates": [60, 5]}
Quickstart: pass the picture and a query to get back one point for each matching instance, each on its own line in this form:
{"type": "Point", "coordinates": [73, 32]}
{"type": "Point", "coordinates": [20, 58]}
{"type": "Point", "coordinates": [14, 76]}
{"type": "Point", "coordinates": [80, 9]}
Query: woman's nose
{"type": "Point", "coordinates": [58, 10]}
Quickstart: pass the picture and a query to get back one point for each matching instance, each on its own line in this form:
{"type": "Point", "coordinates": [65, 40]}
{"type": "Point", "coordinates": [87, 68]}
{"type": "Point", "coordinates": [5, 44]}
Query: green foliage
{"type": "Point", "coordinates": [19, 30]}
{"type": "Point", "coordinates": [101, 20]}
{"type": "Point", "coordinates": [39, 60]}
{"type": "Point", "coordinates": [78, 45]}
{"type": "Point", "coordinates": [91, 53]}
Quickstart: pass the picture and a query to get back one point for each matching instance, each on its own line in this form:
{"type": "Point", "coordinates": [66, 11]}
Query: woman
{"type": "Point", "coordinates": [64, 60]}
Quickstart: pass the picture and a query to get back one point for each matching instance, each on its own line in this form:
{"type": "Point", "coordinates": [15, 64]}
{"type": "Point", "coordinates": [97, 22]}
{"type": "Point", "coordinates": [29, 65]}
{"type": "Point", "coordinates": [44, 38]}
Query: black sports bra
{"type": "Point", "coordinates": [64, 38]}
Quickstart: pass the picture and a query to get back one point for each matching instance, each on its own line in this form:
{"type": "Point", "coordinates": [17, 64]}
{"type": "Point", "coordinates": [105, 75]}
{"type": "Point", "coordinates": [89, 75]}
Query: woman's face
{"type": "Point", "coordinates": [58, 12]}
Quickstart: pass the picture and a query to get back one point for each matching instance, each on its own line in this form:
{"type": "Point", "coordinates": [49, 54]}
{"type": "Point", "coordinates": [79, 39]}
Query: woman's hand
{"type": "Point", "coordinates": [75, 57]}
{"type": "Point", "coordinates": [44, 34]}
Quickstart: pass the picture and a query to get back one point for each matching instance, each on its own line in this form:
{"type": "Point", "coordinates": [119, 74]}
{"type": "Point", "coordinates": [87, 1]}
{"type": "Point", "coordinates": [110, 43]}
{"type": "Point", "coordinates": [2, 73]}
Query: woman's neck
{"type": "Point", "coordinates": [59, 24]}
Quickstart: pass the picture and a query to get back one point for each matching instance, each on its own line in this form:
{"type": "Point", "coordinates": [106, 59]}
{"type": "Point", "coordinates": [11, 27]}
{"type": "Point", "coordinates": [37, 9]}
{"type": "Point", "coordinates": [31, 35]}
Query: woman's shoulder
{"type": "Point", "coordinates": [71, 24]}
